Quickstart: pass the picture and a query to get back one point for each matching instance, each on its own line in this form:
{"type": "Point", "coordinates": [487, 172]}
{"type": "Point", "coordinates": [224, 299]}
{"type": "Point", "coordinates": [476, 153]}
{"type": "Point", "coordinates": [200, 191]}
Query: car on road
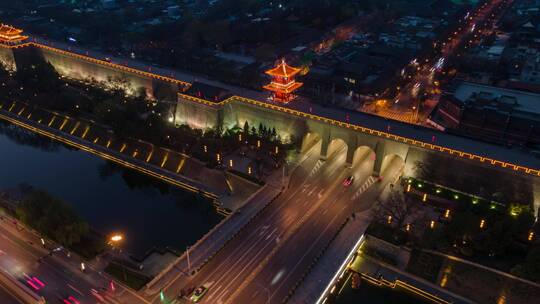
{"type": "Point", "coordinates": [348, 181]}
{"type": "Point", "coordinates": [66, 298]}
{"type": "Point", "coordinates": [34, 282]}
{"type": "Point", "coordinates": [71, 300]}
{"type": "Point", "coordinates": [198, 293]}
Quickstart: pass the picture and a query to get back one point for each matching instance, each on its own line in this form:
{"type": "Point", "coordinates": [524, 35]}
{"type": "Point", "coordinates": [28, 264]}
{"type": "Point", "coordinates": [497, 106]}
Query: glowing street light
{"type": "Point", "coordinates": [432, 224]}
{"type": "Point", "coordinates": [447, 213]}
{"type": "Point", "coordinates": [116, 238]}
{"type": "Point", "coordinates": [531, 236]}
{"type": "Point", "coordinates": [482, 223]}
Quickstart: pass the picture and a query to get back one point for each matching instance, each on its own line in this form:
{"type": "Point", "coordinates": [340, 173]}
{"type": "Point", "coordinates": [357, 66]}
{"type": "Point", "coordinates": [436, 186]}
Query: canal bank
{"type": "Point", "coordinates": [229, 191]}
{"type": "Point", "coordinates": [149, 212]}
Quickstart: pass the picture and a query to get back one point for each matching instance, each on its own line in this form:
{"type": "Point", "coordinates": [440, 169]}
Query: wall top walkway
{"type": "Point", "coordinates": [513, 158]}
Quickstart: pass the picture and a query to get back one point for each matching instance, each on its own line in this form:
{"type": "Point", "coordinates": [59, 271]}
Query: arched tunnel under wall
{"type": "Point", "coordinates": [309, 140]}
{"type": "Point", "coordinates": [361, 153]}
{"type": "Point", "coordinates": [335, 146]}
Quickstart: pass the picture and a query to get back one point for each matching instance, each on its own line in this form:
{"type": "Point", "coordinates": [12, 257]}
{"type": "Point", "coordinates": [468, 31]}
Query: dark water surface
{"type": "Point", "coordinates": [110, 198]}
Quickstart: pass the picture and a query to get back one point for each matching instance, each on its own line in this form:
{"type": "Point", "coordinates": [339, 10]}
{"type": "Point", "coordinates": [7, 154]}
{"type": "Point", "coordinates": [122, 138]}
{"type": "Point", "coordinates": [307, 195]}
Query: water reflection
{"type": "Point", "coordinates": [111, 198]}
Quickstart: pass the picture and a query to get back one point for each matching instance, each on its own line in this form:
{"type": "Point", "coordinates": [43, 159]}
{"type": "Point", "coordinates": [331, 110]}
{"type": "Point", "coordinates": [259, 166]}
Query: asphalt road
{"type": "Point", "coordinates": [291, 262]}
{"type": "Point", "coordinates": [6, 298]}
{"type": "Point", "coordinates": [20, 259]}
{"type": "Point", "coordinates": [60, 275]}
{"type": "Point", "coordinates": [270, 254]}
{"type": "Point", "coordinates": [251, 240]}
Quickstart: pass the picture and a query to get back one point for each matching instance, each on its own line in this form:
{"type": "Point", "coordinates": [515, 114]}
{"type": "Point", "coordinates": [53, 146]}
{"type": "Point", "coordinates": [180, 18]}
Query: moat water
{"type": "Point", "coordinates": [110, 198]}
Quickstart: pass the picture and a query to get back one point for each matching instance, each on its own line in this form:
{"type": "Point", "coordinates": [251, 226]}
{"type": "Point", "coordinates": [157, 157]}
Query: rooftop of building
{"type": "Point", "coordinates": [283, 70]}
{"type": "Point", "coordinates": [468, 92]}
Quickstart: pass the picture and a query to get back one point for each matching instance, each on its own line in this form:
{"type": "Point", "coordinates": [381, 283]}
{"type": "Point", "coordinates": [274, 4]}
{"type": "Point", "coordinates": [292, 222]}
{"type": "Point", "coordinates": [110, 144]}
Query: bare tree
{"type": "Point", "coordinates": [399, 210]}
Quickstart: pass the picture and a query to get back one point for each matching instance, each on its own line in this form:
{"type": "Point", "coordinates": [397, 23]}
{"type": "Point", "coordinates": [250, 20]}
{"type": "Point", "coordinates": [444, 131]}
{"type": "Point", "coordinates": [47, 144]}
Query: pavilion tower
{"type": "Point", "coordinates": [283, 83]}
{"type": "Point", "coordinates": [10, 35]}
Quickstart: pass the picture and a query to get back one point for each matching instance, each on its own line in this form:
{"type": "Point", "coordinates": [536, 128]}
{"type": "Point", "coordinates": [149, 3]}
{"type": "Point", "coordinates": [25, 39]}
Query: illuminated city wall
{"type": "Point", "coordinates": [289, 126]}
{"type": "Point", "coordinates": [196, 115]}
{"type": "Point", "coordinates": [237, 113]}
{"type": "Point", "coordinates": [7, 60]}
{"type": "Point", "coordinates": [84, 70]}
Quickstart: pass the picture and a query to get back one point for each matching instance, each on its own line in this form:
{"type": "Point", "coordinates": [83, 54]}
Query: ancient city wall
{"type": "Point", "coordinates": [7, 60]}
{"type": "Point", "coordinates": [86, 68]}
{"type": "Point", "coordinates": [196, 115]}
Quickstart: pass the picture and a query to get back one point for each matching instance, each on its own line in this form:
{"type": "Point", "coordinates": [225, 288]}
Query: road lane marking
{"type": "Point", "coordinates": [270, 235]}
{"type": "Point", "coordinates": [251, 261]}
{"type": "Point", "coordinates": [75, 289]}
{"type": "Point", "coordinates": [303, 256]}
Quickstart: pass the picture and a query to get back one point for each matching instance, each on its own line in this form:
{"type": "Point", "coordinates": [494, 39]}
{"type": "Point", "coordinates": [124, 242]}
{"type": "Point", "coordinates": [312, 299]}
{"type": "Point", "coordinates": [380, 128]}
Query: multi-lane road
{"type": "Point", "coordinates": [406, 105]}
{"type": "Point", "coordinates": [272, 253]}
{"type": "Point", "coordinates": [56, 277]}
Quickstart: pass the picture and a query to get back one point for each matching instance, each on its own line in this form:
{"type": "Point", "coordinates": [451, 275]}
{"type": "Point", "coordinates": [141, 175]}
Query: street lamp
{"type": "Point", "coordinates": [114, 241]}
{"type": "Point", "coordinates": [116, 238]}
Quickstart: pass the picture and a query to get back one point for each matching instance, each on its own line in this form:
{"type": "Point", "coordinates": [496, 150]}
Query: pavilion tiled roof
{"type": "Point", "coordinates": [283, 70]}
{"type": "Point", "coordinates": [10, 34]}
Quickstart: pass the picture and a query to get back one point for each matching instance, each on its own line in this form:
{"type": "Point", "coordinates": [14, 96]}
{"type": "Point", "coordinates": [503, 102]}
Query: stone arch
{"type": "Point", "coordinates": [361, 153]}
{"type": "Point", "coordinates": [335, 145]}
{"type": "Point", "coordinates": [309, 141]}
{"type": "Point", "coordinates": [391, 161]}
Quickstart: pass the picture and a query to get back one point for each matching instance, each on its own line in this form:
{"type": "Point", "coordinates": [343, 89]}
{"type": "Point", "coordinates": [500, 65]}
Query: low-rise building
{"type": "Point", "coordinates": [491, 113]}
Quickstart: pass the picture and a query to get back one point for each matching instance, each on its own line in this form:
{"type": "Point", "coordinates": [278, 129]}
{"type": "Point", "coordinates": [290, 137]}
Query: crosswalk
{"type": "Point", "coordinates": [370, 181]}
{"type": "Point", "coordinates": [317, 167]}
